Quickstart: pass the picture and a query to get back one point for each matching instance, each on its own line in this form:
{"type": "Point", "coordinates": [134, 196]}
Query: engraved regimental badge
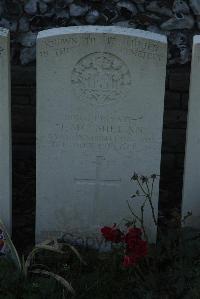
{"type": "Point", "coordinates": [101, 78]}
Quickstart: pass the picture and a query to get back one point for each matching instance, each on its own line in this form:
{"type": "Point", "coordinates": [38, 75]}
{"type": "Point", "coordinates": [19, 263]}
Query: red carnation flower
{"type": "Point", "coordinates": [112, 234]}
{"type": "Point", "coordinates": [133, 233]}
{"type": "Point", "coordinates": [136, 248]}
{"type": "Point", "coordinates": [133, 237]}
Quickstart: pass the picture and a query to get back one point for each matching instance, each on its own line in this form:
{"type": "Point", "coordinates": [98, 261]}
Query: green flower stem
{"type": "Point", "coordinates": [148, 191]}
{"type": "Point", "coordinates": [152, 185]}
{"type": "Point", "coordinates": [133, 212]}
{"type": "Point", "coordinates": [152, 209]}
{"type": "Point", "coordinates": [142, 223]}
{"type": "Point", "coordinates": [141, 187]}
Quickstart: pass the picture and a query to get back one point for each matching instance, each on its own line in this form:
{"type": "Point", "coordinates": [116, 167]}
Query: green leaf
{"type": "Point", "coordinates": [14, 253]}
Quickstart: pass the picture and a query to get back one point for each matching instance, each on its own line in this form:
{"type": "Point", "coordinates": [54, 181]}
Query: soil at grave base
{"type": "Point", "coordinates": [23, 204]}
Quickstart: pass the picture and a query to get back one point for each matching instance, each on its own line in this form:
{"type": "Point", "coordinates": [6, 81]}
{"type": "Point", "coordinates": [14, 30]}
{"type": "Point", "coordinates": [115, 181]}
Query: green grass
{"type": "Point", "coordinates": [104, 277]}
{"type": "Point", "coordinates": [14, 286]}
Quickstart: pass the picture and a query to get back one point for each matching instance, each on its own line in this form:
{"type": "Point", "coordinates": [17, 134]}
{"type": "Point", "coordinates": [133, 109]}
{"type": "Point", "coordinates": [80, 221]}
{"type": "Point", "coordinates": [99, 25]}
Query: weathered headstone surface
{"type": "Point", "coordinates": [5, 146]}
{"type": "Point", "coordinates": [100, 98]}
{"type": "Point", "coordinates": [191, 189]}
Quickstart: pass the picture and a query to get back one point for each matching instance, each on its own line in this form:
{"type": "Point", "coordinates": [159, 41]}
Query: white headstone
{"type": "Point", "coordinates": [100, 99]}
{"type": "Point", "coordinates": [5, 132]}
{"type": "Point", "coordinates": [191, 188]}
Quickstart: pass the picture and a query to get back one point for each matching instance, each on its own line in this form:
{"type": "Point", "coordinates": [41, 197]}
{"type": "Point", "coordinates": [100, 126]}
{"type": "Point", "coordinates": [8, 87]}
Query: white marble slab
{"type": "Point", "coordinates": [5, 130]}
{"type": "Point", "coordinates": [100, 101]}
{"type": "Point", "coordinates": [191, 188]}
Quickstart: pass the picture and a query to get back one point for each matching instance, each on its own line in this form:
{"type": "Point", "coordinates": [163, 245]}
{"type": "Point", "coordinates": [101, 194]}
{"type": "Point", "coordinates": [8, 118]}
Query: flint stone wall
{"type": "Point", "coordinates": [178, 19]}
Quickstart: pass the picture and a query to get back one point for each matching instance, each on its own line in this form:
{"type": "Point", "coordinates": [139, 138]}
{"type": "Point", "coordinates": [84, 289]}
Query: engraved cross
{"type": "Point", "coordinates": [98, 181]}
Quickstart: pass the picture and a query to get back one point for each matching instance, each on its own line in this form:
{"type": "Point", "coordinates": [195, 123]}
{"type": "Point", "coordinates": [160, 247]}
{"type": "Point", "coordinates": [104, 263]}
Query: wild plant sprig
{"type": "Point", "coordinates": [145, 189]}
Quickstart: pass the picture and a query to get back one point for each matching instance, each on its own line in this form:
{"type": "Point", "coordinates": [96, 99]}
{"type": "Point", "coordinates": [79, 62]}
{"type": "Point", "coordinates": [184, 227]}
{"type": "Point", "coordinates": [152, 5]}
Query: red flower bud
{"type": "Point", "coordinates": [112, 234]}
